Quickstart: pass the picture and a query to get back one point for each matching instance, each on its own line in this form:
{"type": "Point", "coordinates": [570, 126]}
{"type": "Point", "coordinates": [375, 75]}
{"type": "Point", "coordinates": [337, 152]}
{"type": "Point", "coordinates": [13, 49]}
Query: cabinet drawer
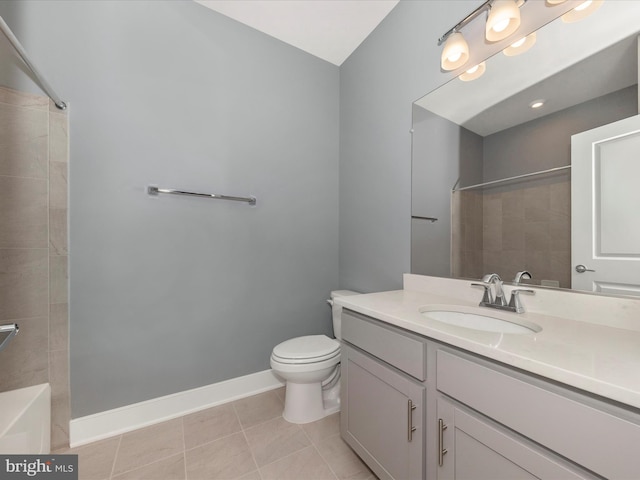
{"type": "Point", "coordinates": [603, 443]}
{"type": "Point", "coordinates": [403, 351]}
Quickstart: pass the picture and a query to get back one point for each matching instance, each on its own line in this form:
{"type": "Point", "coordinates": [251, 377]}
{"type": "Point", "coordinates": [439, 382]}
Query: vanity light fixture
{"type": "Point", "coordinates": [555, 2]}
{"type": "Point", "coordinates": [503, 20]}
{"type": "Point", "coordinates": [581, 11]}
{"type": "Point", "coordinates": [521, 45]}
{"type": "Point", "coordinates": [473, 72]}
{"type": "Point", "coordinates": [537, 103]}
{"type": "Point", "coordinates": [455, 53]}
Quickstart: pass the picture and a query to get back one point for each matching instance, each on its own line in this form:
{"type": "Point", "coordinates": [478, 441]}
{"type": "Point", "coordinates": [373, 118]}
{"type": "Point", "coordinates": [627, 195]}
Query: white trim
{"type": "Point", "coordinates": [131, 417]}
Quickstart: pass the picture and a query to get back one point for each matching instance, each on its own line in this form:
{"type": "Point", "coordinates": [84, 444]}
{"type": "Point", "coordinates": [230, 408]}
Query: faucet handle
{"type": "Point", "coordinates": [515, 298]}
{"type": "Point", "coordinates": [487, 298]}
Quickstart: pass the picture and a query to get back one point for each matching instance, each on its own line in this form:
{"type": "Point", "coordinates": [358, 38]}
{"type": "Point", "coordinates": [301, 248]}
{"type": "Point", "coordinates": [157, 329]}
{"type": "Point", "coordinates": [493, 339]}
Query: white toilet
{"type": "Point", "coordinates": [311, 367]}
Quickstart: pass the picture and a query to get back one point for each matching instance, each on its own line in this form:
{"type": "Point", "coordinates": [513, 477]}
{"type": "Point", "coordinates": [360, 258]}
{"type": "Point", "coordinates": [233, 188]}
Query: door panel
{"type": "Point", "coordinates": [605, 220]}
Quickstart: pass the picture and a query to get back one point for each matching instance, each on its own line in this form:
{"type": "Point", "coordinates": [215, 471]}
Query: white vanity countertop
{"type": "Point", "coordinates": [593, 357]}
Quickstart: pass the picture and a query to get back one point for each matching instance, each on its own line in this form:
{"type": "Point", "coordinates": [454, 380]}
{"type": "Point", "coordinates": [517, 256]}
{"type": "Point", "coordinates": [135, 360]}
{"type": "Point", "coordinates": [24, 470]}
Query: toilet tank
{"type": "Point", "coordinates": [336, 311]}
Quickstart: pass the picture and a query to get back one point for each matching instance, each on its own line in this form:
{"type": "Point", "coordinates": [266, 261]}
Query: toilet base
{"type": "Point", "coordinates": [307, 402]}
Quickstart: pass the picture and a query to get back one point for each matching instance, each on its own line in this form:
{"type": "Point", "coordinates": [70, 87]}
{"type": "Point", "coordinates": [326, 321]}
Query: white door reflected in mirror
{"type": "Point", "coordinates": [605, 222]}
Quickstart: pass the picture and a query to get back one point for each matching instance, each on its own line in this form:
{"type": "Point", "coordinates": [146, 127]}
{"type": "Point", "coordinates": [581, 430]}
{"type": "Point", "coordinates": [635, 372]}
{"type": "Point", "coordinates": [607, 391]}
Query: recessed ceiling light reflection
{"type": "Point", "coordinates": [537, 103]}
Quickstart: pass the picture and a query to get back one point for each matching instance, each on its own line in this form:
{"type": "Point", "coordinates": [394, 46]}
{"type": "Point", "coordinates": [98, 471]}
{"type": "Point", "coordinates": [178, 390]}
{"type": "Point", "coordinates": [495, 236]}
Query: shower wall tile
{"type": "Point", "coordinates": [59, 279]}
{"type": "Point", "coordinates": [22, 99]}
{"type": "Point", "coordinates": [23, 141]}
{"type": "Point", "coordinates": [524, 227]}
{"type": "Point", "coordinates": [24, 288]}
{"type": "Point", "coordinates": [23, 361]}
{"type": "Point", "coordinates": [60, 406]}
{"type": "Point", "coordinates": [58, 185]}
{"type": "Point", "coordinates": [23, 212]}
{"type": "Point", "coordinates": [58, 231]}
{"type": "Point", "coordinates": [33, 249]}
{"type": "Point", "coordinates": [536, 236]}
{"type": "Point", "coordinates": [58, 138]}
{"type": "Point", "coordinates": [58, 326]}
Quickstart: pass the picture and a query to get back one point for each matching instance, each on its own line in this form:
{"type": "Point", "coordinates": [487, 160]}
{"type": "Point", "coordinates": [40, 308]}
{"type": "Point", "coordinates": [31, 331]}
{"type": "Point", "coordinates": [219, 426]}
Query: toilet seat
{"type": "Point", "coordinates": [307, 349]}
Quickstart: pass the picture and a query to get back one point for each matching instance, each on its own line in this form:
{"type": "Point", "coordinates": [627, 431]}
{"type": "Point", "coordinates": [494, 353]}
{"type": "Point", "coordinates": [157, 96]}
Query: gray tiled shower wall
{"type": "Point", "coordinates": [34, 159]}
{"type": "Point", "coordinates": [522, 227]}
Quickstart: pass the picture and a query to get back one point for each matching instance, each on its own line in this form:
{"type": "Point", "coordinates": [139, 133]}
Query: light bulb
{"type": "Point", "coordinates": [584, 5]}
{"type": "Point", "coordinates": [581, 11]}
{"type": "Point", "coordinates": [503, 20]}
{"type": "Point", "coordinates": [501, 25]}
{"type": "Point", "coordinates": [520, 46]}
{"type": "Point", "coordinates": [474, 72]}
{"type": "Point", "coordinates": [454, 56]}
{"type": "Point", "coordinates": [455, 53]}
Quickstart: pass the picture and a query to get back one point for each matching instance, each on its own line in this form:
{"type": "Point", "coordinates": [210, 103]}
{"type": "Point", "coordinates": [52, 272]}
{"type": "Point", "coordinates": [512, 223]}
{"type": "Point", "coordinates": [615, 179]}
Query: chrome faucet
{"type": "Point", "coordinates": [497, 299]}
{"type": "Point", "coordinates": [521, 275]}
{"type": "Point", "coordinates": [498, 292]}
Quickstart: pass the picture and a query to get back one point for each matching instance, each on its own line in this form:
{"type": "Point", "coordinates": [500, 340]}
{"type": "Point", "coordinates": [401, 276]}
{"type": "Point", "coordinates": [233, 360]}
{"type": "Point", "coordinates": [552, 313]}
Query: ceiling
{"type": "Point", "coordinates": [328, 29]}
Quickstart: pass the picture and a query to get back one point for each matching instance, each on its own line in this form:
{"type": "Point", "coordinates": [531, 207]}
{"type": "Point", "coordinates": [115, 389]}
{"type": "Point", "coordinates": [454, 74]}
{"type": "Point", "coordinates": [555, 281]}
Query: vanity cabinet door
{"type": "Point", "coordinates": [382, 416]}
{"type": "Point", "coordinates": [474, 448]}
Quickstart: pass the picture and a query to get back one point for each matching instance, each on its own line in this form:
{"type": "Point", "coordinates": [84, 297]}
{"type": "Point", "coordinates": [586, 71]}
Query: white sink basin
{"type": "Point", "coordinates": [477, 321]}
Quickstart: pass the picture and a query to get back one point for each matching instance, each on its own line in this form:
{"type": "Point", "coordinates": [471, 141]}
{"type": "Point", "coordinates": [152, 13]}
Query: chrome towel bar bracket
{"type": "Point", "coordinates": [151, 190]}
{"type": "Point", "coordinates": [7, 332]}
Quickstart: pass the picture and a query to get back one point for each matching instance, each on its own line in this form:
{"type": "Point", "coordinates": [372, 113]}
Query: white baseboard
{"type": "Point", "coordinates": [131, 417]}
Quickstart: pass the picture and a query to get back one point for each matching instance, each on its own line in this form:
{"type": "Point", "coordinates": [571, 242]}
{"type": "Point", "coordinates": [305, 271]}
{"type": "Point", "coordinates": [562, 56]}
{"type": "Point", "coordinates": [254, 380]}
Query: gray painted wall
{"type": "Point", "coordinates": [397, 64]}
{"type": "Point", "coordinates": [546, 142]}
{"type": "Point", "coordinates": [172, 293]}
{"type": "Point", "coordinates": [443, 153]}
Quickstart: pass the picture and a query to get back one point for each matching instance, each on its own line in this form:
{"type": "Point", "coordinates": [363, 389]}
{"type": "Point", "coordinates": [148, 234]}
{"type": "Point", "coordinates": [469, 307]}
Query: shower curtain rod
{"type": "Point", "coordinates": [13, 40]}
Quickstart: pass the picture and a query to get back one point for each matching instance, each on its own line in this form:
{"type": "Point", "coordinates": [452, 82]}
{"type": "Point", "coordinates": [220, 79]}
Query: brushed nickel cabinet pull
{"type": "Point", "coordinates": [410, 428]}
{"type": "Point", "coordinates": [441, 450]}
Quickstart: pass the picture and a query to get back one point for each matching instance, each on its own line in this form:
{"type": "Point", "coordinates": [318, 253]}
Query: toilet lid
{"type": "Point", "coordinates": [310, 347]}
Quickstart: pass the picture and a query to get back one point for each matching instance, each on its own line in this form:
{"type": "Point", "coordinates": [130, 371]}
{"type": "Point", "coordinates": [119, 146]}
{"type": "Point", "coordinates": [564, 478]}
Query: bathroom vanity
{"type": "Point", "coordinates": [427, 399]}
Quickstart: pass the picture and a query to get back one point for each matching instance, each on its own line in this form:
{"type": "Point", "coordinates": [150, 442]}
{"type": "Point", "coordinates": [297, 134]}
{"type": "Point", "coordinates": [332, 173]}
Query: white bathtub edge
{"type": "Point", "coordinates": [25, 420]}
{"type": "Point", "coordinates": [109, 423]}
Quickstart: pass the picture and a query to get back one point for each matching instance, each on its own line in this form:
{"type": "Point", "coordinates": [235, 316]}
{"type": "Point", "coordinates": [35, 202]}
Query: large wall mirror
{"type": "Point", "coordinates": [492, 177]}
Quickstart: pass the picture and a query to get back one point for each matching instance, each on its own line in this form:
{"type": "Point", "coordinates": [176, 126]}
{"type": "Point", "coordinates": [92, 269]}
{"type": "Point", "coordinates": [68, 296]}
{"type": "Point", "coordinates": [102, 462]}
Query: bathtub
{"type": "Point", "coordinates": [25, 420]}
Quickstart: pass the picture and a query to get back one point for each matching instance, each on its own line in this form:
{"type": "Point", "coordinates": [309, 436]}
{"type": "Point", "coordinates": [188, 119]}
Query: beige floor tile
{"type": "Point", "coordinates": [281, 392]}
{"type": "Point", "coordinates": [306, 464]}
{"type": "Point", "coordinates": [209, 425]}
{"type": "Point", "coordinates": [327, 427]}
{"type": "Point", "coordinates": [275, 439]}
{"type": "Point", "coordinates": [95, 461]}
{"type": "Point", "coordinates": [343, 461]}
{"type": "Point", "coordinates": [252, 476]}
{"type": "Point", "coordinates": [171, 468]}
{"type": "Point", "coordinates": [149, 445]}
{"type": "Point", "coordinates": [258, 408]}
{"type": "Point", "coordinates": [227, 458]}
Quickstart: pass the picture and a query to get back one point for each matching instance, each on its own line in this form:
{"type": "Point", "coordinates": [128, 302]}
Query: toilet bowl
{"type": "Point", "coordinates": [311, 367]}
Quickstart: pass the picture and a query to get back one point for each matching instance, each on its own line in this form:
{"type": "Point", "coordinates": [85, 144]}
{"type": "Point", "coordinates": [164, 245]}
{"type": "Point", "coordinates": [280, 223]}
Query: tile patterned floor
{"type": "Point", "coordinates": [246, 440]}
